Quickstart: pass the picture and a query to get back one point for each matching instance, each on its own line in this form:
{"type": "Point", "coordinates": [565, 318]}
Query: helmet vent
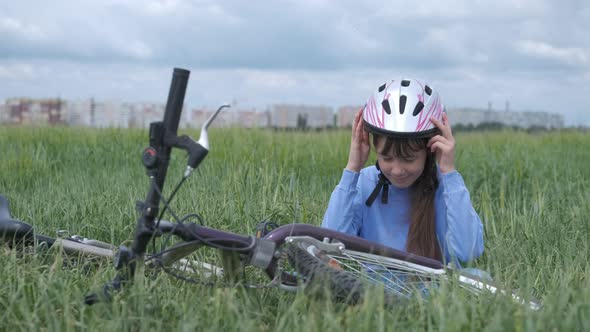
{"type": "Point", "coordinates": [418, 108]}
{"type": "Point", "coordinates": [381, 88]}
{"type": "Point", "coordinates": [402, 103]}
{"type": "Point", "coordinates": [428, 90]}
{"type": "Point", "coordinates": [386, 107]}
{"type": "Point", "coordinates": [405, 83]}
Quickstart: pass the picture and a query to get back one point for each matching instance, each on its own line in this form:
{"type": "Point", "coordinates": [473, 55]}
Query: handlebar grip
{"type": "Point", "coordinates": [175, 100]}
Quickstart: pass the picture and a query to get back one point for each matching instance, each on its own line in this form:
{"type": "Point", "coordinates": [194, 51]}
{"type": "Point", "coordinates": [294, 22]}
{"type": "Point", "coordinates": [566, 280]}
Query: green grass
{"type": "Point", "coordinates": [531, 192]}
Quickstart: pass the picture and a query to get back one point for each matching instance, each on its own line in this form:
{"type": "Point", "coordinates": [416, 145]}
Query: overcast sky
{"type": "Point", "coordinates": [535, 54]}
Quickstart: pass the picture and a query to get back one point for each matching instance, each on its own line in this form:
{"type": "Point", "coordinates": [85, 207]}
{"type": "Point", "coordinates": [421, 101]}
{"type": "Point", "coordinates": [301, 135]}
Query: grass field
{"type": "Point", "coordinates": [531, 192]}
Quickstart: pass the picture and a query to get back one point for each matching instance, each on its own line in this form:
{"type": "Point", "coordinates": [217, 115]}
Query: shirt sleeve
{"type": "Point", "coordinates": [343, 213]}
{"type": "Point", "coordinates": [464, 230]}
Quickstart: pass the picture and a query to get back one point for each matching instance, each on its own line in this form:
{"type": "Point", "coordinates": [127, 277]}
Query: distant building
{"type": "Point", "coordinates": [27, 111]}
{"type": "Point", "coordinates": [231, 118]}
{"type": "Point", "coordinates": [300, 116]}
{"type": "Point", "coordinates": [110, 114]}
{"type": "Point", "coordinates": [113, 114]}
{"type": "Point", "coordinates": [345, 116]}
{"type": "Point", "coordinates": [474, 117]}
{"type": "Point", "coordinates": [3, 113]}
{"type": "Point", "coordinates": [253, 119]}
{"type": "Point", "coordinates": [140, 115]}
{"type": "Point", "coordinates": [90, 113]}
{"type": "Point", "coordinates": [78, 113]}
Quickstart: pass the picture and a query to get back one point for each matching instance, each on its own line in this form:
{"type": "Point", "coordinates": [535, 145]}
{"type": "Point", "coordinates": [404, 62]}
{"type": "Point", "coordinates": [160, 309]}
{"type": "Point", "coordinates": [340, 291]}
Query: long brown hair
{"type": "Point", "coordinates": [422, 238]}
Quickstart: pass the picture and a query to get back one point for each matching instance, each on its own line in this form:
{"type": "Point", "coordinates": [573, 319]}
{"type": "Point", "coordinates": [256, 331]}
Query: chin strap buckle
{"type": "Point", "coordinates": [382, 185]}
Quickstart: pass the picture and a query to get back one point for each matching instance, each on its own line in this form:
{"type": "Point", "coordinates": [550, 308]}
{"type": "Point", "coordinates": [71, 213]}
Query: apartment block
{"type": "Point", "coordinates": [301, 116]}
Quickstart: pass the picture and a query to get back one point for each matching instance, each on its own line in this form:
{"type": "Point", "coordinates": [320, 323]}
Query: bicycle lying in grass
{"type": "Point", "coordinates": [292, 256]}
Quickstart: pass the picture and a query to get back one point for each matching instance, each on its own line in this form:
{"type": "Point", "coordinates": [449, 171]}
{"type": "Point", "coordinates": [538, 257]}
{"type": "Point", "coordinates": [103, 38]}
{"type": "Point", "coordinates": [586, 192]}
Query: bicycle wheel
{"type": "Point", "coordinates": [348, 275]}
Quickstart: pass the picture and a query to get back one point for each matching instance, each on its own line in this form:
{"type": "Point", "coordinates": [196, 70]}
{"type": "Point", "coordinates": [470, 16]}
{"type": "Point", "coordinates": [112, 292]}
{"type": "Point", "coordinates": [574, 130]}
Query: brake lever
{"type": "Point", "coordinates": [204, 138]}
{"type": "Point", "coordinates": [197, 151]}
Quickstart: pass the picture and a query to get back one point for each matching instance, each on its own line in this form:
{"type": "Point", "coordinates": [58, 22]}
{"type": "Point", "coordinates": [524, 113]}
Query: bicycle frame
{"type": "Point", "coordinates": [263, 252]}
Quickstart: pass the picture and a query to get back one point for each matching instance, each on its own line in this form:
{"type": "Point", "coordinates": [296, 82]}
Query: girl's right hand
{"type": "Point", "coordinates": [359, 145]}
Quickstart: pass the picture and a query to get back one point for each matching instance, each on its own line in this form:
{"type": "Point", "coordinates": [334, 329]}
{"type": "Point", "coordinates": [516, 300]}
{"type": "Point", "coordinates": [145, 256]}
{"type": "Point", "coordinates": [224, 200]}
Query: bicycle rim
{"type": "Point", "coordinates": [349, 275]}
{"type": "Point", "coordinates": [477, 286]}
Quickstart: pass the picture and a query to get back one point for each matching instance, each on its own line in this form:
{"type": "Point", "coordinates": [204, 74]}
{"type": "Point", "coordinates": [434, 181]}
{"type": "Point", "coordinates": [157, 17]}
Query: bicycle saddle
{"type": "Point", "coordinates": [13, 230]}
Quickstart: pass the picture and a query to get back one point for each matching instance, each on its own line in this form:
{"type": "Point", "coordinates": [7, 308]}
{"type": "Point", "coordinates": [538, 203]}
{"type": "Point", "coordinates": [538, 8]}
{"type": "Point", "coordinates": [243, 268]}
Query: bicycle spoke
{"type": "Point", "coordinates": [363, 275]}
{"type": "Point", "coordinates": [389, 275]}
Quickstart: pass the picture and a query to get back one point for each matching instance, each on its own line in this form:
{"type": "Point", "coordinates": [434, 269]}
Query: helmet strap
{"type": "Point", "coordinates": [382, 186]}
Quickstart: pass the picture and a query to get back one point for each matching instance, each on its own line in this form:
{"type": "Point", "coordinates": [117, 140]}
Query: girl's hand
{"type": "Point", "coordinates": [359, 145]}
{"type": "Point", "coordinates": [443, 145]}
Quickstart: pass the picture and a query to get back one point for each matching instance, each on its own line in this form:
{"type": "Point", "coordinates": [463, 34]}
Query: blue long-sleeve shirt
{"type": "Point", "coordinates": [458, 227]}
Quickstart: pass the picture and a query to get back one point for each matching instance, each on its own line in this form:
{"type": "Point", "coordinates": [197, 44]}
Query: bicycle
{"type": "Point", "coordinates": [346, 265]}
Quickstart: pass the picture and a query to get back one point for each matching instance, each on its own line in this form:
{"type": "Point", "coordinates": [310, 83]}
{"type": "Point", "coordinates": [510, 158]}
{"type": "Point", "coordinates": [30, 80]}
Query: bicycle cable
{"type": "Point", "coordinates": [247, 247]}
{"type": "Point", "coordinates": [210, 242]}
{"type": "Point", "coordinates": [167, 205]}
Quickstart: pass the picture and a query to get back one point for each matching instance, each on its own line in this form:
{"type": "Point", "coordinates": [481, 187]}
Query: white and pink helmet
{"type": "Point", "coordinates": [403, 108]}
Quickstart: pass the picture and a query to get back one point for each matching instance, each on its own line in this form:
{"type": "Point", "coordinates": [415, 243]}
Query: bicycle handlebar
{"type": "Point", "coordinates": [175, 100]}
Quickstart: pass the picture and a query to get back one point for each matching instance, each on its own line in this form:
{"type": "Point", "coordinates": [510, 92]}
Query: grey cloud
{"type": "Point", "coordinates": [291, 35]}
{"type": "Point", "coordinates": [572, 56]}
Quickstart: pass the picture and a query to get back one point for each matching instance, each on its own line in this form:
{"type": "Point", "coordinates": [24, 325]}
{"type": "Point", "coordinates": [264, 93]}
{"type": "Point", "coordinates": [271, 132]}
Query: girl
{"type": "Point", "coordinates": [413, 199]}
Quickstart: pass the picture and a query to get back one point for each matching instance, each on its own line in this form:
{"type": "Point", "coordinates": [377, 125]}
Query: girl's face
{"type": "Point", "coordinates": [401, 171]}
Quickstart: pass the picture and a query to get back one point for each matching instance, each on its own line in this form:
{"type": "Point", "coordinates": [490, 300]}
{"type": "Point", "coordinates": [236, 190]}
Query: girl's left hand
{"type": "Point", "coordinates": [443, 145]}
